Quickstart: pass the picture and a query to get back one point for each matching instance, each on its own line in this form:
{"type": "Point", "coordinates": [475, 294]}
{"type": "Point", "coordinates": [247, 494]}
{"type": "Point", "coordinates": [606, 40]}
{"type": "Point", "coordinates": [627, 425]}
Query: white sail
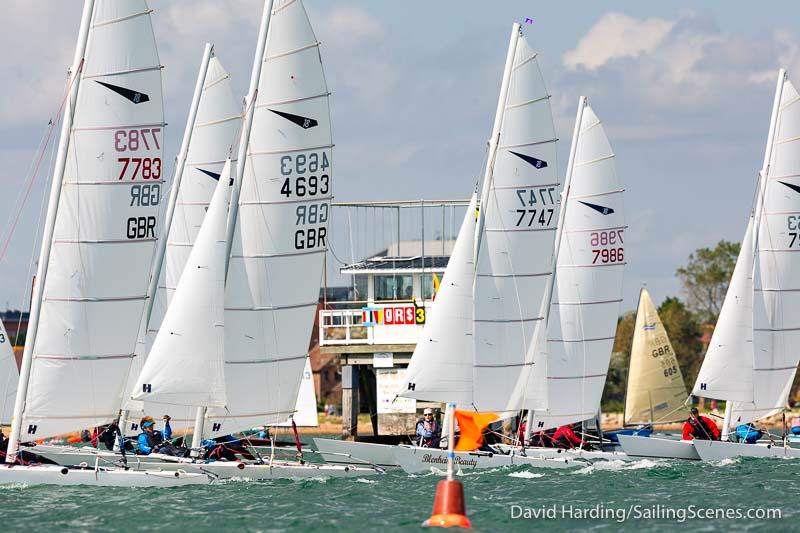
{"type": "Point", "coordinates": [9, 376]}
{"type": "Point", "coordinates": [656, 391]}
{"type": "Point", "coordinates": [727, 369]}
{"type": "Point", "coordinates": [588, 290]}
{"type": "Point", "coordinates": [105, 229]}
{"type": "Point", "coordinates": [185, 365]}
{"type": "Point", "coordinates": [217, 125]}
{"type": "Point", "coordinates": [516, 249]}
{"type": "Point", "coordinates": [441, 366]}
{"type": "Point", "coordinates": [305, 413]}
{"type": "Point", "coordinates": [776, 307]}
{"type": "Point", "coordinates": [216, 128]}
{"type": "Point", "coordinates": [280, 236]}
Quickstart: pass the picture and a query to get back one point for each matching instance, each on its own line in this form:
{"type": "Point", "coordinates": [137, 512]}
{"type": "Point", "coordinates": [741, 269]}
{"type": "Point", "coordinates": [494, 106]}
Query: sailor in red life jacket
{"type": "Point", "coordinates": [566, 438]}
{"type": "Point", "coordinates": [699, 427]}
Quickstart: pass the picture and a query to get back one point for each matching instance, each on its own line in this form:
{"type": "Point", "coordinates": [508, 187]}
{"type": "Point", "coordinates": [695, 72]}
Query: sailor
{"type": "Point", "coordinates": [699, 427]}
{"type": "Point", "coordinates": [566, 438]}
{"type": "Point", "coordinates": [428, 429]}
{"type": "Point", "coordinates": [795, 425]}
{"type": "Point", "coordinates": [748, 433]}
{"type": "Point", "coordinates": [152, 440]}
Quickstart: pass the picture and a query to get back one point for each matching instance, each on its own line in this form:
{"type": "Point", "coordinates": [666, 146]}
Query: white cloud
{"type": "Point", "coordinates": [617, 35]}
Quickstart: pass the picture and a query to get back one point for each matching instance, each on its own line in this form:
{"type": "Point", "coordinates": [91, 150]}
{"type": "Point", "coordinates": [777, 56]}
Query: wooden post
{"type": "Point", "coordinates": [350, 401]}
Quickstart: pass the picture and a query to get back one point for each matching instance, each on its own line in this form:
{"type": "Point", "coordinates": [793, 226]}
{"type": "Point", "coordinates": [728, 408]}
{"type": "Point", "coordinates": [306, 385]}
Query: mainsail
{"type": "Point", "coordinates": [588, 284]}
{"type": "Point", "coordinates": [776, 302]}
{"type": "Point", "coordinates": [9, 376]}
{"type": "Point", "coordinates": [185, 365]}
{"type": "Point", "coordinates": [280, 237]}
{"type": "Point", "coordinates": [520, 208]}
{"type": "Point", "coordinates": [441, 366]}
{"type": "Point", "coordinates": [105, 228]}
{"type": "Point", "coordinates": [656, 391]}
{"type": "Point", "coordinates": [216, 127]}
{"type": "Point", "coordinates": [305, 412]}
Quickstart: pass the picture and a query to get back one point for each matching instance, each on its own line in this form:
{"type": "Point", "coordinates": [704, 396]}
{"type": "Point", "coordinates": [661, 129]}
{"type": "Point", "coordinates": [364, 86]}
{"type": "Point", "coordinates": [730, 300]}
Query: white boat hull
{"type": "Point", "coordinates": [655, 448]}
{"type": "Point", "coordinates": [415, 460]}
{"type": "Point", "coordinates": [114, 477]}
{"type": "Point", "coordinates": [348, 452]}
{"type": "Point", "coordinates": [558, 453]}
{"type": "Point", "coordinates": [66, 455]}
{"type": "Point", "coordinates": [718, 450]}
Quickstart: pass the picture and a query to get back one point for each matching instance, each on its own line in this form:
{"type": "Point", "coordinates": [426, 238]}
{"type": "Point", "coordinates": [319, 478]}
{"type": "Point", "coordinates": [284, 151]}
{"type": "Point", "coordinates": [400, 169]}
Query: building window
{"type": "Point", "coordinates": [360, 288]}
{"type": "Point", "coordinates": [394, 288]}
{"type": "Point", "coordinates": [427, 287]}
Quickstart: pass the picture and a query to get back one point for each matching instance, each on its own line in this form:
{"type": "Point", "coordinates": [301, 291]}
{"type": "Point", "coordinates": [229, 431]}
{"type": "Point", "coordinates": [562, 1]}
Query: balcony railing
{"type": "Point", "coordinates": [396, 322]}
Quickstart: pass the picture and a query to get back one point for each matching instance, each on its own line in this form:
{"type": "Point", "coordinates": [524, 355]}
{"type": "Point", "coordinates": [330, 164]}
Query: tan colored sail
{"type": "Point", "coordinates": [656, 391]}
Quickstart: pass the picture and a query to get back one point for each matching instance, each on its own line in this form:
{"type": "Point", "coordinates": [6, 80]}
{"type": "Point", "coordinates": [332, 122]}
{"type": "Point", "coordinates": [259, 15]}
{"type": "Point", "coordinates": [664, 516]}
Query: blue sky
{"type": "Point", "coordinates": [684, 89]}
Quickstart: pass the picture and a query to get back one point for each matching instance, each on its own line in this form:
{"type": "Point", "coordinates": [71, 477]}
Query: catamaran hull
{"type": "Point", "coordinates": [654, 448]}
{"type": "Point", "coordinates": [415, 460]}
{"type": "Point", "coordinates": [59, 475]}
{"type": "Point", "coordinates": [348, 452]}
{"type": "Point", "coordinates": [70, 456]}
{"type": "Point", "coordinates": [718, 450]}
{"type": "Point", "coordinates": [557, 453]}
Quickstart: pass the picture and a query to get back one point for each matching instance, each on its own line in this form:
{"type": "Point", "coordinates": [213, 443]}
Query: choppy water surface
{"type": "Point", "coordinates": [398, 502]}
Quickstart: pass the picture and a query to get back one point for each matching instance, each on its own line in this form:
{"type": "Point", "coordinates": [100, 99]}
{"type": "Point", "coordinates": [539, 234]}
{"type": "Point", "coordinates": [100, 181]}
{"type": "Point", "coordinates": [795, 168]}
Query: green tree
{"type": "Point", "coordinates": [616, 382]}
{"type": "Point", "coordinates": [706, 276]}
{"type": "Point", "coordinates": [685, 333]}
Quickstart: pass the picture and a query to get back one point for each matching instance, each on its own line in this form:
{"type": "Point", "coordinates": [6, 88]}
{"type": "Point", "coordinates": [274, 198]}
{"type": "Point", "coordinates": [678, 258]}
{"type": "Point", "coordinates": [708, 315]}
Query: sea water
{"type": "Point", "coordinates": [645, 495]}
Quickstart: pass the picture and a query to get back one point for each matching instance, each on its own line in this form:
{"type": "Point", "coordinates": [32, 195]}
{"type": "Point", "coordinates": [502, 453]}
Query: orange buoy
{"type": "Point", "coordinates": [448, 506]}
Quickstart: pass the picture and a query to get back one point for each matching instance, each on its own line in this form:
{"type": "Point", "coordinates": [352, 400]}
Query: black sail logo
{"type": "Point", "coordinates": [303, 122]}
{"type": "Point", "coordinates": [129, 94]}
{"type": "Point", "coordinates": [795, 188]}
{"type": "Point", "coordinates": [537, 163]}
{"type": "Point", "coordinates": [214, 175]}
{"type": "Point", "coordinates": [599, 208]}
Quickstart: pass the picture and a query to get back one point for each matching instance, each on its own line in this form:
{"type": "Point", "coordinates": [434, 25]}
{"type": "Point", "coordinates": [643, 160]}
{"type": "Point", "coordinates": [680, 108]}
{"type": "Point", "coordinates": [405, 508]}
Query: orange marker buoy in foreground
{"type": "Point", "coordinates": [448, 506]}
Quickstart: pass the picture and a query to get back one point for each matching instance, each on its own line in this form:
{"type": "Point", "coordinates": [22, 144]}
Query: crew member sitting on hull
{"type": "Point", "coordinates": [428, 430]}
{"type": "Point", "coordinates": [153, 441]}
{"type": "Point", "coordinates": [226, 448]}
{"type": "Point", "coordinates": [795, 425]}
{"type": "Point", "coordinates": [566, 438]}
{"type": "Point", "coordinates": [699, 427]}
{"type": "Point", "coordinates": [748, 433]}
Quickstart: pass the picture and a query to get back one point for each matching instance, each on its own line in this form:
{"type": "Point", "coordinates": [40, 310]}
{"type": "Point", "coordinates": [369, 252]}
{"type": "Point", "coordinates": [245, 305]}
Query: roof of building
{"type": "Point", "coordinates": [388, 265]}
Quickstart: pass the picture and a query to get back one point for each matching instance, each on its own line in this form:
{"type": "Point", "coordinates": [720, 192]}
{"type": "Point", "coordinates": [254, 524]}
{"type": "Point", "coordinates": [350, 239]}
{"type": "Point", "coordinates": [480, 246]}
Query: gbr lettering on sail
{"type": "Point", "coordinates": [306, 182]}
{"type": "Point", "coordinates": [138, 155]}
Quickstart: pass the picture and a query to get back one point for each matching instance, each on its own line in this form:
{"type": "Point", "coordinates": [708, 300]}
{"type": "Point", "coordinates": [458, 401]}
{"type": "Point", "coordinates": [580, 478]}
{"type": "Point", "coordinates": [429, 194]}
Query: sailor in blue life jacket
{"type": "Point", "coordinates": [428, 430]}
{"type": "Point", "coordinates": [796, 425]}
{"type": "Point", "coordinates": [748, 433]}
{"type": "Point", "coordinates": [152, 440]}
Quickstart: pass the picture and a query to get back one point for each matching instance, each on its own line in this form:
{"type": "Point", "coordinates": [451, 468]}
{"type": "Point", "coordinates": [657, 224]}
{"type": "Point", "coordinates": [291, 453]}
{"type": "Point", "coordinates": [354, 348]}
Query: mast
{"type": "Point", "coordinates": [180, 163]}
{"type": "Point", "coordinates": [726, 423]}
{"type": "Point", "coordinates": [49, 230]}
{"type": "Point", "coordinates": [548, 292]}
{"type": "Point", "coordinates": [250, 108]}
{"type": "Point", "coordinates": [494, 140]}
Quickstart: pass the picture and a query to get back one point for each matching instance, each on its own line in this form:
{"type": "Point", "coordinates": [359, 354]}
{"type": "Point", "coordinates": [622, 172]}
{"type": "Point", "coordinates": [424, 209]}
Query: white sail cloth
{"type": "Point", "coordinates": [185, 365]}
{"type": "Point", "coordinates": [217, 126]}
{"type": "Point", "coordinates": [9, 377]}
{"type": "Point", "coordinates": [656, 391]}
{"type": "Point", "coordinates": [305, 413]}
{"type": "Point", "coordinates": [281, 232]}
{"type": "Point", "coordinates": [105, 229]}
{"type": "Point", "coordinates": [441, 366]}
{"type": "Point", "coordinates": [727, 369]}
{"type": "Point", "coordinates": [776, 302]}
{"type": "Point", "coordinates": [516, 247]}
{"type": "Point", "coordinates": [588, 289]}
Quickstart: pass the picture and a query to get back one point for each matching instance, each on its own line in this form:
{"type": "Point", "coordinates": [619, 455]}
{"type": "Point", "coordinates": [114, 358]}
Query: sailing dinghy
{"type": "Point", "coordinates": [97, 246]}
{"type": "Point", "coordinates": [760, 387]}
